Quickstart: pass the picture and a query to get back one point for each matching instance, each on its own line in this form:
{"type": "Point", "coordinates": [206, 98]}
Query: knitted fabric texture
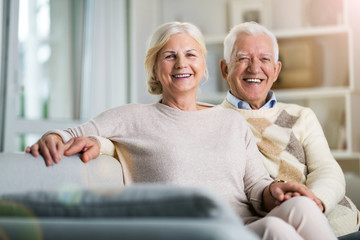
{"type": "Point", "coordinates": [295, 149]}
{"type": "Point", "coordinates": [212, 149]}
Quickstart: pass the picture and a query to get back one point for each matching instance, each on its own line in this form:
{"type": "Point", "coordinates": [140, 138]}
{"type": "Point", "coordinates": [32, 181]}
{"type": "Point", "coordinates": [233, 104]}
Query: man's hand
{"type": "Point", "coordinates": [277, 192]}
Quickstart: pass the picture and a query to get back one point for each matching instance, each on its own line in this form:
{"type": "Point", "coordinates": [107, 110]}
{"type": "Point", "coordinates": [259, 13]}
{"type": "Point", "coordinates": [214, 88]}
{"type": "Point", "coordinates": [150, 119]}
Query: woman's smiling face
{"type": "Point", "coordinates": [180, 65]}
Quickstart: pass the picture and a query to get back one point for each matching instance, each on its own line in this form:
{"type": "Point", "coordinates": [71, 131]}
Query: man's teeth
{"type": "Point", "coordinates": [253, 80]}
{"type": "Point", "coordinates": [182, 75]}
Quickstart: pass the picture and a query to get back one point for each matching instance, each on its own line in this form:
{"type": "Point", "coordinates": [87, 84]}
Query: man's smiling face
{"type": "Point", "coordinates": [252, 69]}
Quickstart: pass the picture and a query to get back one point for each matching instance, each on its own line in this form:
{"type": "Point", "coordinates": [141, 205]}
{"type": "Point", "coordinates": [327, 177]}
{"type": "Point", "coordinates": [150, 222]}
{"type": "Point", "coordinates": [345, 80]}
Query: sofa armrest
{"type": "Point", "coordinates": [21, 172]}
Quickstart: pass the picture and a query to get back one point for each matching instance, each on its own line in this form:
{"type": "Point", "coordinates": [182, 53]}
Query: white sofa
{"type": "Point", "coordinates": [74, 200]}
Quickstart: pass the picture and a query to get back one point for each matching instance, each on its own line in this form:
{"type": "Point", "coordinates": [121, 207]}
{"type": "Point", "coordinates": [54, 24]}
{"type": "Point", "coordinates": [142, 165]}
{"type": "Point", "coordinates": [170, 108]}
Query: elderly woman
{"type": "Point", "coordinates": [180, 141]}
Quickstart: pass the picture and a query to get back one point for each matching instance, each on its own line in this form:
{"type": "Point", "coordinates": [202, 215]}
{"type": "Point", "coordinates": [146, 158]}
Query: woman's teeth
{"type": "Point", "coordinates": [181, 75]}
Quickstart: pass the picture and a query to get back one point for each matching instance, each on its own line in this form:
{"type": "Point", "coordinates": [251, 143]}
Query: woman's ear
{"type": "Point", "coordinates": [224, 69]}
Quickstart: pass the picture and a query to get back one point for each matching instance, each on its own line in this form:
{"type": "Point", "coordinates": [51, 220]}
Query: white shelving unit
{"type": "Point", "coordinates": [329, 90]}
{"type": "Point", "coordinates": [321, 28]}
{"type": "Point", "coordinates": [331, 96]}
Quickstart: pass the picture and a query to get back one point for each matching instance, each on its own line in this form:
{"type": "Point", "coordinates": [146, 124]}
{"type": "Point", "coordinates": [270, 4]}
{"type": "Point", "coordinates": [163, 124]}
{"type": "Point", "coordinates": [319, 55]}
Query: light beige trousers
{"type": "Point", "coordinates": [296, 218]}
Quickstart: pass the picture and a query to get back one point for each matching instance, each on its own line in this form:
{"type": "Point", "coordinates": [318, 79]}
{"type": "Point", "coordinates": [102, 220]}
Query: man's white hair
{"type": "Point", "coordinates": [251, 28]}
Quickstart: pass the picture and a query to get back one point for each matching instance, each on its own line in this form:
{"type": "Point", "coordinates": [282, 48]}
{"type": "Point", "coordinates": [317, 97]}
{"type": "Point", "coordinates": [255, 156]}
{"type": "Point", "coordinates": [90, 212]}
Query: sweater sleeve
{"type": "Point", "coordinates": [100, 128]}
{"type": "Point", "coordinates": [325, 177]}
{"type": "Point", "coordinates": [107, 147]}
{"type": "Point", "coordinates": [256, 177]}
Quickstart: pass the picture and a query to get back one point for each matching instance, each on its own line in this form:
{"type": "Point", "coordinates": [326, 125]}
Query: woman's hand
{"type": "Point", "coordinates": [89, 147]}
{"type": "Point", "coordinates": [52, 149]}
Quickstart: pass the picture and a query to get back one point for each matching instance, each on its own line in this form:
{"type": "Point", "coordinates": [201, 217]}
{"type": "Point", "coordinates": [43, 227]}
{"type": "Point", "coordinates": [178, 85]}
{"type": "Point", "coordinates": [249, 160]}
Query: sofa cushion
{"type": "Point", "coordinates": [138, 200]}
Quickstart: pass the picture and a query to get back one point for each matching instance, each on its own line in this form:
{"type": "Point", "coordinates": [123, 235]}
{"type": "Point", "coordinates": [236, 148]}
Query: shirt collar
{"type": "Point", "coordinates": [270, 101]}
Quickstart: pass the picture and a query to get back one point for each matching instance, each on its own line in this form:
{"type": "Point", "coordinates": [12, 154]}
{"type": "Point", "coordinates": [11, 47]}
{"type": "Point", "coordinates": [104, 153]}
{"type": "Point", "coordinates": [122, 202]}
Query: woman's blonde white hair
{"type": "Point", "coordinates": [158, 39]}
{"type": "Point", "coordinates": [251, 28]}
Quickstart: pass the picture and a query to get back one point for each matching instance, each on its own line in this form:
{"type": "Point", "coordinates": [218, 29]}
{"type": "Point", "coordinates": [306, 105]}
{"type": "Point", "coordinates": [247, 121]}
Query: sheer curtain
{"type": "Point", "coordinates": [67, 62]}
{"type": "Point", "coordinates": [105, 82]}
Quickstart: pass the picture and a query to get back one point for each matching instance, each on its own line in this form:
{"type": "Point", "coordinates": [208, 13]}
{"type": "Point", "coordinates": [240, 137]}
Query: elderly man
{"type": "Point", "coordinates": [289, 136]}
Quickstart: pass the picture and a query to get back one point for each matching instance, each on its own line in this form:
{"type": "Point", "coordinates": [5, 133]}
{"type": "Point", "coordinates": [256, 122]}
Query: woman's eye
{"type": "Point", "coordinates": [170, 57]}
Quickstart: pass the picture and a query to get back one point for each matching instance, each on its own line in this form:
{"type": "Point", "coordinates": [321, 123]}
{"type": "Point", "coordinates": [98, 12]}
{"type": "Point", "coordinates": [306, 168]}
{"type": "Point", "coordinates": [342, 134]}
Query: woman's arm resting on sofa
{"type": "Point", "coordinates": [89, 148]}
{"type": "Point", "coordinates": [52, 148]}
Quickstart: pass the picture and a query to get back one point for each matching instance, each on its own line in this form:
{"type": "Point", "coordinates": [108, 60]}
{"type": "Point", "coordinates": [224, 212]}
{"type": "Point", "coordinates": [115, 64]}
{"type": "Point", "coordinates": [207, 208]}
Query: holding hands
{"type": "Point", "coordinates": [279, 191]}
{"type": "Point", "coordinates": [52, 148]}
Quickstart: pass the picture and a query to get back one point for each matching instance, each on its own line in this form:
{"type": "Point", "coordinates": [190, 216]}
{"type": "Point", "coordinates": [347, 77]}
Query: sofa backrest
{"type": "Point", "coordinates": [21, 172]}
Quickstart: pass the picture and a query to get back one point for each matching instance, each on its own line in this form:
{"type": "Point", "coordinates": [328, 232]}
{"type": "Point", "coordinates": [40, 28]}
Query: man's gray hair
{"type": "Point", "coordinates": [251, 28]}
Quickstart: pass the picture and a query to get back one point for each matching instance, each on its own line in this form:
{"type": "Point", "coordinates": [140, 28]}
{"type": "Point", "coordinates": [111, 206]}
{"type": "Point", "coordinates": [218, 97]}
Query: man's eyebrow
{"type": "Point", "coordinates": [241, 54]}
{"type": "Point", "coordinates": [269, 54]}
{"type": "Point", "coordinates": [247, 54]}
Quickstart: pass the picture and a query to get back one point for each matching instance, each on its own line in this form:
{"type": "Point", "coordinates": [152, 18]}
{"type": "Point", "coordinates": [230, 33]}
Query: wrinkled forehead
{"type": "Point", "coordinates": [252, 45]}
{"type": "Point", "coordinates": [181, 42]}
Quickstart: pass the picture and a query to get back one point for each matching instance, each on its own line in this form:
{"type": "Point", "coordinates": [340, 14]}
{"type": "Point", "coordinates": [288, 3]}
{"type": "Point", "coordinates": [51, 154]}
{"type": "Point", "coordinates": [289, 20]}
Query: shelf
{"type": "Point", "coordinates": [311, 31]}
{"type": "Point", "coordinates": [289, 33]}
{"type": "Point", "coordinates": [349, 162]}
{"type": "Point", "coordinates": [345, 155]}
{"type": "Point", "coordinates": [306, 93]}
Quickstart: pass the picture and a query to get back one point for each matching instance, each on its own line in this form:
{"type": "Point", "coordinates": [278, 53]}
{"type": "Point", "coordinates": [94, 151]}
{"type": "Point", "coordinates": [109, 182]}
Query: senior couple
{"type": "Point", "coordinates": [291, 189]}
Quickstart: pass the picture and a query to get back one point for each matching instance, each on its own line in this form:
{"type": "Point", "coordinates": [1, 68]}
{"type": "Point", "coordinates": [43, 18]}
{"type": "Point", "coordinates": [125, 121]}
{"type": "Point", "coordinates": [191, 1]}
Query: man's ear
{"type": "Point", "coordinates": [278, 66]}
{"type": "Point", "coordinates": [224, 69]}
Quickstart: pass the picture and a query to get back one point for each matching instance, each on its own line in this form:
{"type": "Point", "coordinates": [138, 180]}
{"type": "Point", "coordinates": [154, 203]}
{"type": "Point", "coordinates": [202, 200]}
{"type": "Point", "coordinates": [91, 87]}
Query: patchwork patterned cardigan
{"type": "Point", "coordinates": [294, 147]}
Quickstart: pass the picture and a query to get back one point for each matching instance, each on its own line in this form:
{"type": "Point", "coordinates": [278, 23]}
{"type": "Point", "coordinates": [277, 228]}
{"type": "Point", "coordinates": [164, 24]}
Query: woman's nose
{"type": "Point", "coordinates": [180, 62]}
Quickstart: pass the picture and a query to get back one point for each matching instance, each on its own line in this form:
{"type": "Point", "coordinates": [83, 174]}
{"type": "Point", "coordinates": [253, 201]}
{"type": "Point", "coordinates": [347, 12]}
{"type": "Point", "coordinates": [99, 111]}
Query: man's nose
{"type": "Point", "coordinates": [254, 66]}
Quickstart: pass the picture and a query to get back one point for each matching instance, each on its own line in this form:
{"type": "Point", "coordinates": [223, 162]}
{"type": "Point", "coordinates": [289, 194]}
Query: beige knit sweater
{"type": "Point", "coordinates": [212, 148]}
{"type": "Point", "coordinates": [295, 149]}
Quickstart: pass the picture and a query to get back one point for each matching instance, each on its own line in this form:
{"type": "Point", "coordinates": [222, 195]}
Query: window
{"type": "Point", "coordinates": [65, 61]}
